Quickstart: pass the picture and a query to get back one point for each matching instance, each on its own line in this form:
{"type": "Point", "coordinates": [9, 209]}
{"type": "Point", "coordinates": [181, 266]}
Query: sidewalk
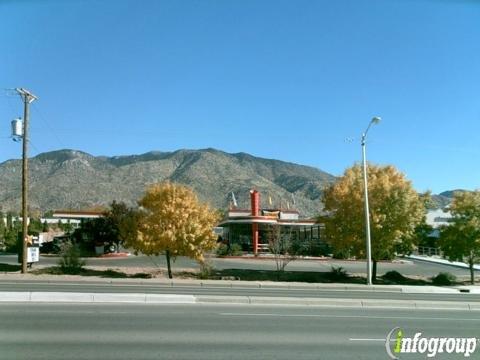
{"type": "Point", "coordinates": [439, 260]}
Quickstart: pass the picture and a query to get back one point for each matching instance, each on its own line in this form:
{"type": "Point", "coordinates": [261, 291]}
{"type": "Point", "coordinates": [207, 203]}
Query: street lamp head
{"type": "Point", "coordinates": [374, 121]}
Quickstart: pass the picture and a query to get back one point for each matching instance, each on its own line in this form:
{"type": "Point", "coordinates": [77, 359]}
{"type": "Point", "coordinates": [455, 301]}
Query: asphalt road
{"type": "Point", "coordinates": [218, 290]}
{"type": "Point", "coordinates": [115, 332]}
{"type": "Point", "coordinates": [408, 267]}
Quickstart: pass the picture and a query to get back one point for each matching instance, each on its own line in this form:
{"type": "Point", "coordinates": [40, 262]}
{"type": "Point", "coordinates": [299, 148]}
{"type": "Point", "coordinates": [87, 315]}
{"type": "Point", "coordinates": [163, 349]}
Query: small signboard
{"type": "Point", "coordinates": [33, 254]}
{"type": "Point", "coordinates": [33, 250]}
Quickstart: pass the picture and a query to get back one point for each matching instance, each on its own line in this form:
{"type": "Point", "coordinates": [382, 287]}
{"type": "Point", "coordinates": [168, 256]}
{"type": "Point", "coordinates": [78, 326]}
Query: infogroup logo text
{"type": "Point", "coordinates": [430, 346]}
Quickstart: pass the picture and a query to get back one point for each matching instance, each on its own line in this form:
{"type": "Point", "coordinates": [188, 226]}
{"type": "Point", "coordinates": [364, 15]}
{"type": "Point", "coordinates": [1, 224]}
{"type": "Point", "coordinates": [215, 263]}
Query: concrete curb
{"type": "Point", "coordinates": [351, 303]}
{"type": "Point", "coordinates": [18, 279]}
{"type": "Point", "coordinates": [72, 297]}
{"type": "Point", "coordinates": [67, 297]}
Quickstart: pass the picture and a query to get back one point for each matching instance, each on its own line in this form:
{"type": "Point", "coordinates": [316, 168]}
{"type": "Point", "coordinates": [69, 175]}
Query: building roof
{"type": "Point", "coordinates": [269, 216]}
{"type": "Point", "coordinates": [73, 214]}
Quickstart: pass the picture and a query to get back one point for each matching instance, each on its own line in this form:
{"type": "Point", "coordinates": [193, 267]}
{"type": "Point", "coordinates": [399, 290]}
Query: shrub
{"type": "Point", "coordinates": [341, 254]}
{"type": "Point", "coordinates": [236, 250]}
{"type": "Point", "coordinates": [222, 250]}
{"type": "Point", "coordinates": [70, 261]}
{"type": "Point", "coordinates": [337, 274]}
{"type": "Point", "coordinates": [206, 269]}
{"type": "Point", "coordinates": [443, 278]}
{"type": "Point", "coordinates": [395, 277]}
{"type": "Point", "coordinates": [225, 250]}
{"type": "Point", "coordinates": [12, 241]}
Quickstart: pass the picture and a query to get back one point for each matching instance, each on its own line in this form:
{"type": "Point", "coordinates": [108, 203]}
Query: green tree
{"type": "Point", "coordinates": [35, 226]}
{"type": "Point", "coordinates": [12, 232]}
{"type": "Point", "coordinates": [9, 221]}
{"type": "Point", "coordinates": [45, 226]}
{"type": "Point", "coordinates": [48, 214]}
{"type": "Point", "coordinates": [395, 210]}
{"type": "Point", "coordinates": [174, 222]}
{"type": "Point", "coordinates": [117, 225]}
{"type": "Point", "coordinates": [460, 241]}
{"type": "Point", "coordinates": [95, 232]}
{"type": "Point", "coordinates": [423, 233]}
{"type": "Point", "coordinates": [123, 223]}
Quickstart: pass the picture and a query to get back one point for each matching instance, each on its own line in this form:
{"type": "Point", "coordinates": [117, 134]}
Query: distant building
{"type": "Point", "coordinates": [77, 215]}
{"type": "Point", "coordinates": [251, 228]}
{"type": "Point", "coordinates": [437, 218]}
{"type": "Point", "coordinates": [71, 217]}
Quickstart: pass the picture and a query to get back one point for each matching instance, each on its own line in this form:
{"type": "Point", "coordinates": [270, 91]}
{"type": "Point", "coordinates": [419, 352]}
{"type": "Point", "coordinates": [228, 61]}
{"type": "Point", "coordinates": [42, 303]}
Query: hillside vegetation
{"type": "Point", "coordinates": [71, 179]}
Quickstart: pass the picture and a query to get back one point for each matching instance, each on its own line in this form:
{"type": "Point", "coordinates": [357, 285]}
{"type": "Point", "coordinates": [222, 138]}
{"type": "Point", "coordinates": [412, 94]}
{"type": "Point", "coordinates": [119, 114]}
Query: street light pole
{"type": "Point", "coordinates": [374, 121]}
{"type": "Point", "coordinates": [27, 98]}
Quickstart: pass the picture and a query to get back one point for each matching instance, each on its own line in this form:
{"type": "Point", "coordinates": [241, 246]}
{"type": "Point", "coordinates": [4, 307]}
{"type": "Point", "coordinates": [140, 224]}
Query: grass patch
{"type": "Point", "coordinates": [10, 268]}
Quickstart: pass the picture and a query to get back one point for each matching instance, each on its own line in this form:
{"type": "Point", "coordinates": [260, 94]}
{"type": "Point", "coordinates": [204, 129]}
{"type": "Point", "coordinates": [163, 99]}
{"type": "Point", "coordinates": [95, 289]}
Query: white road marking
{"type": "Point", "coordinates": [382, 340]}
{"type": "Point", "coordinates": [347, 316]}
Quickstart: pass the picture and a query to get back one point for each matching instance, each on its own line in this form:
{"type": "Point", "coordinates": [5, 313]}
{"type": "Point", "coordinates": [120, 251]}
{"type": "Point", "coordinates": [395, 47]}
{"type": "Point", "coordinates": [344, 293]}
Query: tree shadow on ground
{"type": "Point", "coordinates": [395, 278]}
{"type": "Point", "coordinates": [287, 276]}
{"type": "Point", "coordinates": [336, 275]}
{"type": "Point", "coordinates": [109, 273]}
{"type": "Point", "coordinates": [10, 268]}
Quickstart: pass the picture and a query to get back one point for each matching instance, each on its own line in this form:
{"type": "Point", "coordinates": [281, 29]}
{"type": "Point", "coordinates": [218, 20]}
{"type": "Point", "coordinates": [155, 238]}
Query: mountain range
{"type": "Point", "coordinates": [439, 201]}
{"type": "Point", "coordinates": [72, 179]}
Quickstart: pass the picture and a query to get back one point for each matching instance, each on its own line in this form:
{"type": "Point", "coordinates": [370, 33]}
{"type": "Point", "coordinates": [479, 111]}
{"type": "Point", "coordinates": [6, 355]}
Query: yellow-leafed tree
{"type": "Point", "coordinates": [174, 222]}
{"type": "Point", "coordinates": [395, 211]}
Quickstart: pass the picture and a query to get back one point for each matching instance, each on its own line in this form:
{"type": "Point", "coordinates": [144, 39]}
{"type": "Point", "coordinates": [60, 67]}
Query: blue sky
{"type": "Point", "coordinates": [289, 80]}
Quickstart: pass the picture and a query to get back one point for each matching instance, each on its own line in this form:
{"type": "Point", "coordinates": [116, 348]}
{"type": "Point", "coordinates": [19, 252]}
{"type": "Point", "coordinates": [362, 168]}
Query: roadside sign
{"type": "Point", "coordinates": [33, 250]}
{"type": "Point", "coordinates": [33, 254]}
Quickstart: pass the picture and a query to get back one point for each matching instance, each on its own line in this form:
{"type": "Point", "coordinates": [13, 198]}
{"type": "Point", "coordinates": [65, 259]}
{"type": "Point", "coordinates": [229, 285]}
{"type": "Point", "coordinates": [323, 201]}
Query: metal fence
{"type": "Point", "coordinates": [429, 251]}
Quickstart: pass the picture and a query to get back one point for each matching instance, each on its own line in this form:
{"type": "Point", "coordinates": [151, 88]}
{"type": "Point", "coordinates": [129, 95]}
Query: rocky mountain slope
{"type": "Point", "coordinates": [71, 179]}
{"type": "Point", "coordinates": [444, 199]}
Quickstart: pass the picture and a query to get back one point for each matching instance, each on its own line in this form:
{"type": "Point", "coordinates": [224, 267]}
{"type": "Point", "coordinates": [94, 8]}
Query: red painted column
{"type": "Point", "coordinates": [255, 202]}
{"type": "Point", "coordinates": [255, 238]}
{"type": "Point", "coordinates": [255, 207]}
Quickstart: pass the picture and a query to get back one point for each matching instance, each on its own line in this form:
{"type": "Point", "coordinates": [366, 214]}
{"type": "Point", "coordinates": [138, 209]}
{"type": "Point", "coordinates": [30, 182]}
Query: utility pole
{"type": "Point", "coordinates": [27, 98]}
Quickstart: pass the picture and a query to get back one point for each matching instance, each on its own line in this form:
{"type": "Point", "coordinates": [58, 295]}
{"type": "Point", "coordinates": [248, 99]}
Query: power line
{"type": "Point", "coordinates": [50, 128]}
{"type": "Point", "coordinates": [9, 95]}
{"type": "Point", "coordinates": [34, 147]}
